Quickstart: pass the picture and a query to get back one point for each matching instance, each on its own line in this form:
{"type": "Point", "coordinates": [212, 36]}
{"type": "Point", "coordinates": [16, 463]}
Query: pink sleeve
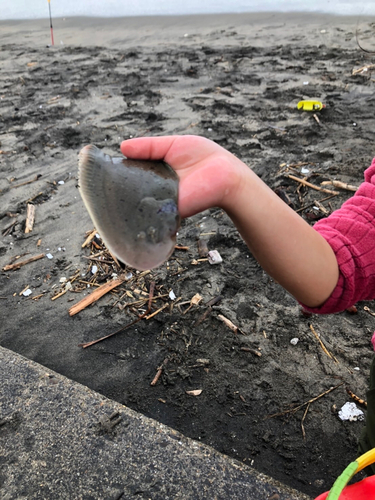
{"type": "Point", "coordinates": [351, 233]}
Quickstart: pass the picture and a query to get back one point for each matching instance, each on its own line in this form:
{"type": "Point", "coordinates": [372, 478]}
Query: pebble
{"type": "Point", "coordinates": [214, 257]}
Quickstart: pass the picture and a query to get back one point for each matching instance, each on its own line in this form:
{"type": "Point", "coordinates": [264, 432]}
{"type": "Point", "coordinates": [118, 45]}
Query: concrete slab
{"type": "Point", "coordinates": [61, 440]}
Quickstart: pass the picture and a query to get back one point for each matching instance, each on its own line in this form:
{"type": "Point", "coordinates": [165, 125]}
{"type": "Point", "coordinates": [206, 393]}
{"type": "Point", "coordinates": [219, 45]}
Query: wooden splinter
{"type": "Point", "coordinates": [94, 296]}
{"type": "Point", "coordinates": [30, 218]}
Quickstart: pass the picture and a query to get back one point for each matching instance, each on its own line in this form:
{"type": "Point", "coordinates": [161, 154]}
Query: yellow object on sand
{"type": "Point", "coordinates": [310, 105]}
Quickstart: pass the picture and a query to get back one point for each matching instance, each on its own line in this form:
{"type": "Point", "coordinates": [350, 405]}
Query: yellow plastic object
{"type": "Point", "coordinates": [366, 459]}
{"type": "Point", "coordinates": [364, 490]}
{"type": "Point", "coordinates": [310, 105]}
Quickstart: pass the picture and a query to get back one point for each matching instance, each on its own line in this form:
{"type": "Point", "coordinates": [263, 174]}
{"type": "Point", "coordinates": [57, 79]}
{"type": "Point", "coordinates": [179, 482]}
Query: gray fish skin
{"type": "Point", "coordinates": [133, 205]}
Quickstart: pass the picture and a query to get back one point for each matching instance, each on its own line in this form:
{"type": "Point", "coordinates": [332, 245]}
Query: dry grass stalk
{"type": "Point", "coordinates": [322, 345]}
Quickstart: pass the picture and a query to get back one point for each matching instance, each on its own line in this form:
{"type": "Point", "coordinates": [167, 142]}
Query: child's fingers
{"type": "Point", "coordinates": [147, 148]}
{"type": "Point", "coordinates": [179, 151]}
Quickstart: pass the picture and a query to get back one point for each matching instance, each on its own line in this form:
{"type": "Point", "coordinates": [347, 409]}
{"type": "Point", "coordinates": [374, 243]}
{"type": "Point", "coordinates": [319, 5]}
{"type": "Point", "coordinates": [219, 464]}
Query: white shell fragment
{"type": "Point", "coordinates": [172, 295]}
{"type": "Point", "coordinates": [196, 392]}
{"type": "Point", "coordinates": [27, 292]}
{"type": "Point", "coordinates": [350, 412]}
{"type": "Point", "coordinates": [49, 256]}
{"type": "Point", "coordinates": [214, 257]}
{"type": "Point", "coordinates": [294, 341]}
{"type": "Point", "coordinates": [133, 205]}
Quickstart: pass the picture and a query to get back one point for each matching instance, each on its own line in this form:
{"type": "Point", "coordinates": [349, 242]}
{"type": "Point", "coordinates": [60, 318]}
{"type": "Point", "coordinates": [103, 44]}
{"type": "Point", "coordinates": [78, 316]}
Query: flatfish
{"type": "Point", "coordinates": [133, 205]}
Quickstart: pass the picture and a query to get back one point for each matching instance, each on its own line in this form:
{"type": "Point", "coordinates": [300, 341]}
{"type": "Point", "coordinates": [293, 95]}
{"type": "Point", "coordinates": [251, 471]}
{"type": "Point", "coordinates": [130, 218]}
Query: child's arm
{"type": "Point", "coordinates": [291, 251]}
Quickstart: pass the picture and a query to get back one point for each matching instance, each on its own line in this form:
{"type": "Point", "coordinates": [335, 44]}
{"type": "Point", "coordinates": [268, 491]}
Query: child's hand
{"type": "Point", "coordinates": [295, 255]}
{"type": "Point", "coordinates": [209, 175]}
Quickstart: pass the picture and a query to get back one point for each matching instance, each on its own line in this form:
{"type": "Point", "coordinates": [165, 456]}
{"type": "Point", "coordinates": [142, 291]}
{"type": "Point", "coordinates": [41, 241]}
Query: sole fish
{"type": "Point", "coordinates": [133, 205]}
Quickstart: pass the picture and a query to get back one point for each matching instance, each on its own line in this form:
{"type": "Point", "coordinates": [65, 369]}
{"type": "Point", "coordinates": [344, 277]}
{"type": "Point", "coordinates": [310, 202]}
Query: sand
{"type": "Point", "coordinates": [235, 79]}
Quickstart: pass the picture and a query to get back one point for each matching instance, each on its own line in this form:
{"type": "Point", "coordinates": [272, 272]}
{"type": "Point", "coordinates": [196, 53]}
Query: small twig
{"type": "Point", "coordinates": [363, 69]}
{"type": "Point", "coordinates": [10, 228]}
{"type": "Point", "coordinates": [89, 238]}
{"type": "Point", "coordinates": [317, 119]}
{"type": "Point", "coordinates": [17, 265]}
{"type": "Point", "coordinates": [158, 311]}
{"type": "Point", "coordinates": [367, 309]}
{"type": "Point", "coordinates": [159, 372]}
{"type": "Point", "coordinates": [88, 344]}
{"type": "Point", "coordinates": [228, 323]}
{"type": "Point", "coordinates": [312, 186]}
{"type": "Point", "coordinates": [253, 351]}
{"type": "Point", "coordinates": [26, 182]}
{"type": "Point", "coordinates": [151, 295]}
{"type": "Point", "coordinates": [312, 400]}
{"type": "Point", "coordinates": [193, 302]}
{"type": "Point", "coordinates": [302, 421]}
{"type": "Point", "coordinates": [202, 317]}
{"type": "Point", "coordinates": [313, 203]}
{"type": "Point", "coordinates": [114, 259]}
{"type": "Point", "coordinates": [59, 294]}
{"type": "Point", "coordinates": [321, 207]}
{"type": "Point", "coordinates": [34, 197]}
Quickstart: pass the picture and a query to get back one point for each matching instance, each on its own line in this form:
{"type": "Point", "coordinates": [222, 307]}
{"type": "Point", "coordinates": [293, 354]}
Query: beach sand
{"type": "Point", "coordinates": [235, 79]}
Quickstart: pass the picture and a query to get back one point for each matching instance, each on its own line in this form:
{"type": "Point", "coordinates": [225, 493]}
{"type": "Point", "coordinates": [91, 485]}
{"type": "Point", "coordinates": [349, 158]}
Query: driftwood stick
{"type": "Point", "coordinates": [94, 296]}
{"type": "Point", "coordinates": [17, 265]}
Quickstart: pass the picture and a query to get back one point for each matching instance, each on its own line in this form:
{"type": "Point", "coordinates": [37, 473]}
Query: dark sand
{"type": "Point", "coordinates": [235, 79]}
